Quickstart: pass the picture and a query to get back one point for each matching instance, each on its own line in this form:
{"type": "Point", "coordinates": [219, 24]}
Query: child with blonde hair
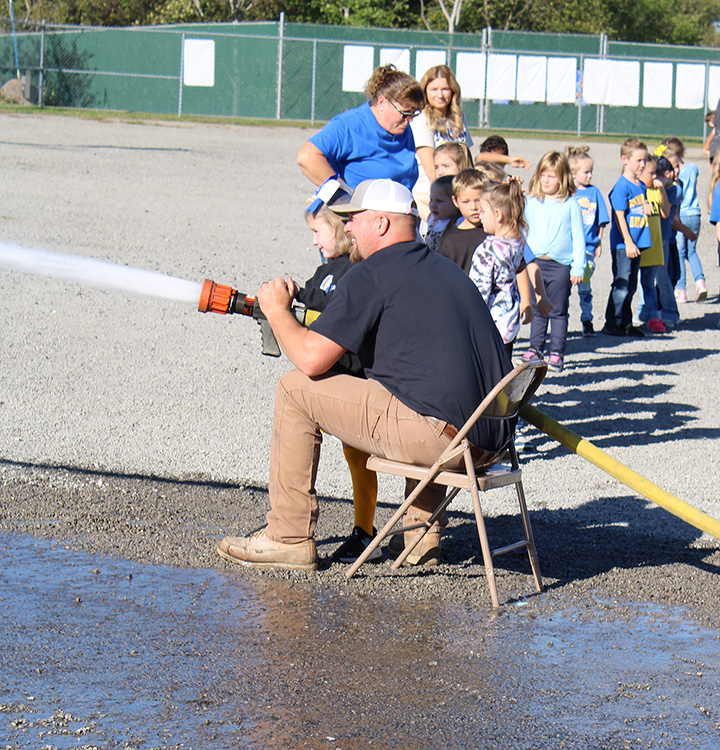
{"type": "Point", "coordinates": [689, 216]}
{"type": "Point", "coordinates": [335, 245]}
{"type": "Point", "coordinates": [595, 217]}
{"type": "Point", "coordinates": [557, 239]}
{"type": "Point", "coordinates": [629, 235]}
{"type": "Point", "coordinates": [451, 158]}
{"type": "Point", "coordinates": [498, 260]}
{"type": "Point", "coordinates": [460, 241]}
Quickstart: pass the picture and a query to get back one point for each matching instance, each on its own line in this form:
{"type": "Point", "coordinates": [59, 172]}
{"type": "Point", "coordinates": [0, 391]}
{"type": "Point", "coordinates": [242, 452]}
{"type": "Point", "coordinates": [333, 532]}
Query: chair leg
{"type": "Point", "coordinates": [409, 500]}
{"type": "Point", "coordinates": [482, 534]}
{"type": "Point", "coordinates": [427, 524]}
{"type": "Point", "coordinates": [378, 539]}
{"type": "Point", "coordinates": [532, 551]}
{"type": "Point", "coordinates": [485, 548]}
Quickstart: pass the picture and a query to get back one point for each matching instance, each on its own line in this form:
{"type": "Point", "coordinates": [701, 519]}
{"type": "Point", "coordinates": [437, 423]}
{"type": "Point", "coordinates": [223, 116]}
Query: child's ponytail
{"type": "Point", "coordinates": [577, 155]}
{"type": "Point", "coordinates": [509, 199]}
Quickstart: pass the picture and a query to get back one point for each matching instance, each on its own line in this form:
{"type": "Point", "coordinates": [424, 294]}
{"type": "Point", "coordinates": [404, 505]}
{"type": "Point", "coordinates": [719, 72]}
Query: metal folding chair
{"type": "Point", "coordinates": [503, 402]}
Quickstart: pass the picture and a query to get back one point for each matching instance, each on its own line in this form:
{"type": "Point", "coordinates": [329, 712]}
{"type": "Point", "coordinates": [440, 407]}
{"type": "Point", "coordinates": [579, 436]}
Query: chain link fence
{"type": "Point", "coordinates": [303, 72]}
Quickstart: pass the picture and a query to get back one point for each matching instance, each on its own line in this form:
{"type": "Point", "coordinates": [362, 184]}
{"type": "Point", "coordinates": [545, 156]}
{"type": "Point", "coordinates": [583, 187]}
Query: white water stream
{"type": "Point", "coordinates": [99, 273]}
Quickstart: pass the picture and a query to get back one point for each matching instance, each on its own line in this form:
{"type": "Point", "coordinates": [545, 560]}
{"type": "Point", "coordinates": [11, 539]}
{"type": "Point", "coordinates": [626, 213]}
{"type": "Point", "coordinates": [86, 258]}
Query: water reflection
{"type": "Point", "coordinates": [102, 652]}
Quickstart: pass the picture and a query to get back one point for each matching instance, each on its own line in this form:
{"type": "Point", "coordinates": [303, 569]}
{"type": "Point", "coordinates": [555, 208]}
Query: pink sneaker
{"type": "Point", "coordinates": [681, 295]}
{"type": "Point", "coordinates": [532, 355]}
{"type": "Point", "coordinates": [555, 362]}
{"type": "Point", "coordinates": [655, 325]}
{"type": "Point", "coordinates": [701, 291]}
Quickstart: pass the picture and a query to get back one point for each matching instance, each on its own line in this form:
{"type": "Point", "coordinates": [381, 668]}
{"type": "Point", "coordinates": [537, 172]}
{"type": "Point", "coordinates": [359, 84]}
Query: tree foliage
{"type": "Point", "coordinates": [662, 21]}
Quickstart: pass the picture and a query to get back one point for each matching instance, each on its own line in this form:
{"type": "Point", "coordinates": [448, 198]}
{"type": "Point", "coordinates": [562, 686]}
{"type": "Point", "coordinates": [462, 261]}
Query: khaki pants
{"type": "Point", "coordinates": [364, 415]}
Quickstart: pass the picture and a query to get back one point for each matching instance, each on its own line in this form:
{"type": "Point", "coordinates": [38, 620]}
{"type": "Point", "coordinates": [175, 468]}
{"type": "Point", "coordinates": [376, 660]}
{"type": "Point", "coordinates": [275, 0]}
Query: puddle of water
{"type": "Point", "coordinates": [101, 652]}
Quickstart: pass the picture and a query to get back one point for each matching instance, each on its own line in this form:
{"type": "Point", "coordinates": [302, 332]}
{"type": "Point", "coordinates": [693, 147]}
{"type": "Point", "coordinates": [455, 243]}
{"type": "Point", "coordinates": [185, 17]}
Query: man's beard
{"type": "Point", "coordinates": [355, 254]}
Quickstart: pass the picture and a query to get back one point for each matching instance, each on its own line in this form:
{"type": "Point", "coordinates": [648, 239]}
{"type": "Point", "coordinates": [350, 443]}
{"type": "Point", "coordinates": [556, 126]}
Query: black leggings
{"type": "Point", "coordinates": [556, 277]}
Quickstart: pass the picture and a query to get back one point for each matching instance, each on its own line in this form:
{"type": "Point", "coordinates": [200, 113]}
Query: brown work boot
{"type": "Point", "coordinates": [259, 551]}
{"type": "Point", "coordinates": [427, 551]}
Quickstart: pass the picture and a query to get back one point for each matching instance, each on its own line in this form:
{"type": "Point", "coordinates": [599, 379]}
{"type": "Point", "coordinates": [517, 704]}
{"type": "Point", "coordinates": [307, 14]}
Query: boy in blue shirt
{"type": "Point", "coordinates": [629, 235]}
{"type": "Point", "coordinates": [595, 218]}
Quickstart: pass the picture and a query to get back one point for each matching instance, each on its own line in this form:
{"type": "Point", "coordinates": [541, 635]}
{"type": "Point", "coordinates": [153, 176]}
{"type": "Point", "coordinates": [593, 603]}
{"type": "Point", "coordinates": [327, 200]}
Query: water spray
{"type": "Point", "coordinates": [208, 296]}
{"type": "Point", "coordinates": [99, 273]}
{"type": "Point", "coordinates": [225, 300]}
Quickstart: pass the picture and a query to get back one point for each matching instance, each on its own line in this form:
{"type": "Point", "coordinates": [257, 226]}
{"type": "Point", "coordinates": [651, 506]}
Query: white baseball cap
{"type": "Point", "coordinates": [386, 196]}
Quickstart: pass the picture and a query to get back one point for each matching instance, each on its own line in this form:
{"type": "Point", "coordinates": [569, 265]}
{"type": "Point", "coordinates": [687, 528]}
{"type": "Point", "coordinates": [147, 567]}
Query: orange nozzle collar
{"type": "Point", "coordinates": [215, 297]}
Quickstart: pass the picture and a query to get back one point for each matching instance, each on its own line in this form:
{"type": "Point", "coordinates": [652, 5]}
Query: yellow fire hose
{"type": "Point", "coordinates": [622, 473]}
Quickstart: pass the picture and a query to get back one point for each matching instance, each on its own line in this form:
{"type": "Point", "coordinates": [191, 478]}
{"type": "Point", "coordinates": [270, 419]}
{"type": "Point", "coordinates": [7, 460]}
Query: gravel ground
{"type": "Point", "coordinates": [137, 428]}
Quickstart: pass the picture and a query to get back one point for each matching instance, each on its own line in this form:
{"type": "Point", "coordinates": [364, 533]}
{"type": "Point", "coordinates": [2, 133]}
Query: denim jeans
{"type": "Point", "coordinates": [585, 290]}
{"type": "Point", "coordinates": [687, 250]}
{"type": "Point", "coordinates": [648, 302]}
{"type": "Point", "coordinates": [667, 303]}
{"type": "Point", "coordinates": [618, 313]}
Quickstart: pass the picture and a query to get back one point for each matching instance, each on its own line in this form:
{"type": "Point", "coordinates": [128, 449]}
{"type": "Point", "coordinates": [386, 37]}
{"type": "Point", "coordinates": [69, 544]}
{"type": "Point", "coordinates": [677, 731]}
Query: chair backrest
{"type": "Point", "coordinates": [514, 390]}
{"type": "Point", "coordinates": [507, 398]}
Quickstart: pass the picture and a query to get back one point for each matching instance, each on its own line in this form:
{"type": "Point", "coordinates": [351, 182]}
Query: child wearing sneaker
{"type": "Point", "coordinates": [328, 232]}
{"type": "Point", "coordinates": [689, 215]}
{"type": "Point", "coordinates": [595, 218]}
{"type": "Point", "coordinates": [648, 310]}
{"type": "Point", "coordinates": [668, 167]}
{"type": "Point", "coordinates": [497, 261]}
{"type": "Point", "coordinates": [629, 235]}
{"type": "Point", "coordinates": [556, 237]}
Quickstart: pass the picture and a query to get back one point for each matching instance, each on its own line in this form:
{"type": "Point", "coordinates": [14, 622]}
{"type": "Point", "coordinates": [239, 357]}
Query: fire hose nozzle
{"type": "Point", "coordinates": [216, 298]}
{"type": "Point", "coordinates": [222, 299]}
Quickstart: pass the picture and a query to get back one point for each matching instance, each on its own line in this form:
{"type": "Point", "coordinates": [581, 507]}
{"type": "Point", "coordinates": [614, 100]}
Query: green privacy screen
{"type": "Point", "coordinates": [304, 72]}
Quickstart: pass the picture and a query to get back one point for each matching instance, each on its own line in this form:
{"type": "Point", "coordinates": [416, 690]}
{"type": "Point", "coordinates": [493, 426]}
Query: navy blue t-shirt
{"type": "Point", "coordinates": [423, 331]}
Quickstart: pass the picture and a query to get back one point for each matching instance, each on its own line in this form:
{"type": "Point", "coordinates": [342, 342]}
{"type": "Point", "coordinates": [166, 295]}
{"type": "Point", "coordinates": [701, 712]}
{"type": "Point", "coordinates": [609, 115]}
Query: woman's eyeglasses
{"type": "Point", "coordinates": [404, 115]}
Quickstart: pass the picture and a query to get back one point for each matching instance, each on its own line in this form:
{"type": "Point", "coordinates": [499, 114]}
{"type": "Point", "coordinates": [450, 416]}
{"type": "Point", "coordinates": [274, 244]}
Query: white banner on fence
{"type": "Point", "coordinates": [358, 66]}
{"type": "Point", "coordinates": [199, 62]}
{"type": "Point", "coordinates": [689, 86]}
{"type": "Point", "coordinates": [501, 77]}
{"type": "Point", "coordinates": [561, 80]}
{"type": "Point", "coordinates": [596, 81]}
{"type": "Point", "coordinates": [508, 77]}
{"type": "Point", "coordinates": [428, 58]}
{"type": "Point", "coordinates": [625, 88]}
{"type": "Point", "coordinates": [531, 78]}
{"type": "Point", "coordinates": [470, 74]}
{"type": "Point", "coordinates": [657, 84]}
{"type": "Point", "coordinates": [713, 86]}
{"type": "Point", "coordinates": [400, 58]}
{"type": "Point", "coordinates": [615, 82]}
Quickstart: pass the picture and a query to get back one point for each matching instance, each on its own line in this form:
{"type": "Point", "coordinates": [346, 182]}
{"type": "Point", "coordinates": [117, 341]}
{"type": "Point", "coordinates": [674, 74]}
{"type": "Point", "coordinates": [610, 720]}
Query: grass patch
{"type": "Point", "coordinates": [148, 117]}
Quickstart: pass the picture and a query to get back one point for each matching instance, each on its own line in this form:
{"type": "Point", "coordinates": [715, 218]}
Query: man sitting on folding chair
{"type": "Point", "coordinates": [430, 350]}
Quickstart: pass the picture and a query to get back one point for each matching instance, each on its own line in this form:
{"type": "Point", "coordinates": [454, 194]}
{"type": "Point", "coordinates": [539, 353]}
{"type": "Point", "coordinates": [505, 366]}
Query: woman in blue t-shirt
{"type": "Point", "coordinates": [373, 141]}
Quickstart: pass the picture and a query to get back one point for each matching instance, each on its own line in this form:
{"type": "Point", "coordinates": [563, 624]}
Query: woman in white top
{"type": "Point", "coordinates": [441, 121]}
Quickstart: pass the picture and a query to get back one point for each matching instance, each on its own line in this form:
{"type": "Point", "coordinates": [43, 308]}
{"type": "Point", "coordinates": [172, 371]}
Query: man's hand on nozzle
{"type": "Point", "coordinates": [276, 295]}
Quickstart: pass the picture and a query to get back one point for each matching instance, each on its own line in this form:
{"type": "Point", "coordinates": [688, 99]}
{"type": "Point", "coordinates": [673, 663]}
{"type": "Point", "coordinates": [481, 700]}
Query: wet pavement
{"type": "Point", "coordinates": [100, 652]}
{"type": "Point", "coordinates": [137, 432]}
